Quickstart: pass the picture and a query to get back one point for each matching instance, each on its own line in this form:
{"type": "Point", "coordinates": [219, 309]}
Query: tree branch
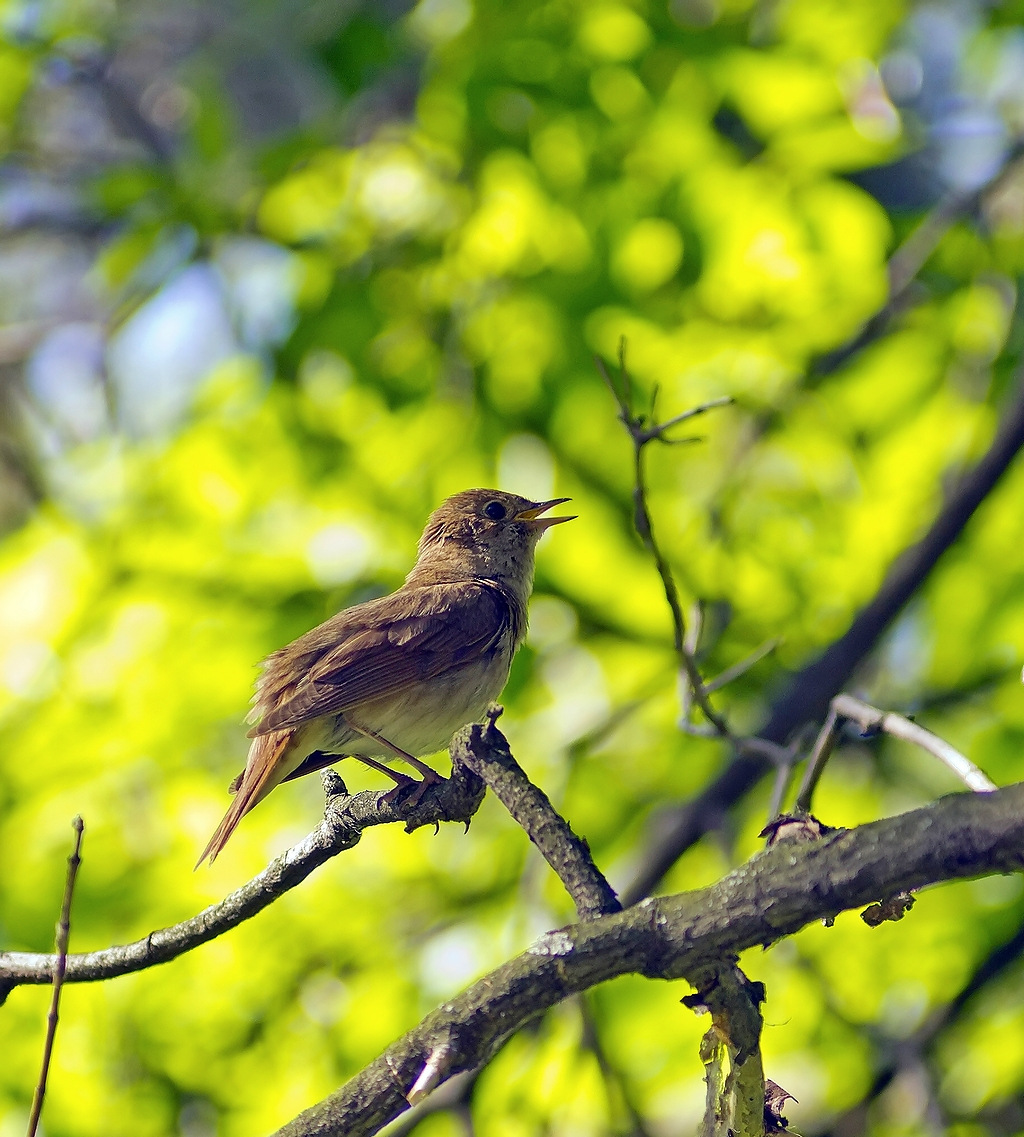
{"type": "Point", "coordinates": [870, 719]}
{"type": "Point", "coordinates": [774, 895]}
{"type": "Point", "coordinates": [484, 750]}
{"type": "Point", "coordinates": [474, 749]}
{"type": "Point", "coordinates": [807, 697]}
{"type": "Point", "coordinates": [345, 818]}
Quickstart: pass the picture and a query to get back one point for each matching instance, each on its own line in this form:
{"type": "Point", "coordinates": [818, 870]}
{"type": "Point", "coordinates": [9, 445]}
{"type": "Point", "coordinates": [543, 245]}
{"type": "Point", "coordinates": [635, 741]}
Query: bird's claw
{"type": "Point", "coordinates": [418, 788]}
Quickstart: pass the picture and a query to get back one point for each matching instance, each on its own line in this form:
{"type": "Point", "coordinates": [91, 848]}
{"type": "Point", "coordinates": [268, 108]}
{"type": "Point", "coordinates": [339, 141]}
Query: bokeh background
{"type": "Point", "coordinates": [277, 277]}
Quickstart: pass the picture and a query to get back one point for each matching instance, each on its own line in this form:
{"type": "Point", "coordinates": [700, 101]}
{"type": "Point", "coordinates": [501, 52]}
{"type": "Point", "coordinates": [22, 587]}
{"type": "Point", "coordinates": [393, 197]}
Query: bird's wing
{"type": "Point", "coordinates": [375, 649]}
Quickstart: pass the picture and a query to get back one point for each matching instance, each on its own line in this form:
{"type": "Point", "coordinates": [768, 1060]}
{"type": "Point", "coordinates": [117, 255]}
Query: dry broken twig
{"type": "Point", "coordinates": [59, 972]}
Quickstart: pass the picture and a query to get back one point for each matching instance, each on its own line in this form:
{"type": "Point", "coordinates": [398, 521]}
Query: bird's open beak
{"type": "Point", "coordinates": [533, 514]}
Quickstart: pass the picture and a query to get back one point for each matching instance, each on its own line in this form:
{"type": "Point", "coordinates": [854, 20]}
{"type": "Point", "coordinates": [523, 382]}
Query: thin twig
{"type": "Point", "coordinates": [695, 626]}
{"type": "Point", "coordinates": [824, 744]}
{"type": "Point", "coordinates": [783, 777]}
{"type": "Point", "coordinates": [59, 971]}
{"type": "Point", "coordinates": [770, 751]}
{"type": "Point", "coordinates": [870, 719]}
{"type": "Point", "coordinates": [657, 429]}
{"type": "Point", "coordinates": [691, 644]}
{"type": "Point", "coordinates": [744, 665]}
{"type": "Point", "coordinates": [641, 432]}
{"type": "Point", "coordinates": [484, 750]}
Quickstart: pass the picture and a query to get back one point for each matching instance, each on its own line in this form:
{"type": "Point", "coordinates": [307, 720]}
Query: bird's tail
{"type": "Point", "coordinates": [266, 767]}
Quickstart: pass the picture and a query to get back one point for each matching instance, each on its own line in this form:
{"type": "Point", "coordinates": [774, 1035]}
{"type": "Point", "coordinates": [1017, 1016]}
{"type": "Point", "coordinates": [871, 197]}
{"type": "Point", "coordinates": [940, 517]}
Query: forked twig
{"type": "Point", "coordinates": [870, 719]}
{"type": "Point", "coordinates": [59, 971]}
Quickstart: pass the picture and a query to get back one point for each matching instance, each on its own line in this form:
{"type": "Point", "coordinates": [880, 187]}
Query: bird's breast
{"type": "Point", "coordinates": [422, 717]}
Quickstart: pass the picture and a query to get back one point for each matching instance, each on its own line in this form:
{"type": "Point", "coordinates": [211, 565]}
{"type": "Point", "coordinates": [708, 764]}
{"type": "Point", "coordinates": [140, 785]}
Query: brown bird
{"type": "Point", "coordinates": [396, 677]}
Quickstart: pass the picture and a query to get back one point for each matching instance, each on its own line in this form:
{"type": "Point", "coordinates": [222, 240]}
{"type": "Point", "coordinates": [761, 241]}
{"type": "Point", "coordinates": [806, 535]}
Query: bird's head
{"type": "Point", "coordinates": [484, 533]}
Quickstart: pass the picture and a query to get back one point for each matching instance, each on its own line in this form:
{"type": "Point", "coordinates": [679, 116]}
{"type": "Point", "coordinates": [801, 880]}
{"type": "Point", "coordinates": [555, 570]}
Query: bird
{"type": "Point", "coordinates": [394, 678]}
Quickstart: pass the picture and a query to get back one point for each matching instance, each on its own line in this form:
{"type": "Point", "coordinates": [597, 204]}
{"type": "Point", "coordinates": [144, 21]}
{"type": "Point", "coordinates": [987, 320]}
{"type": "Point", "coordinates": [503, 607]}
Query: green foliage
{"type": "Point", "coordinates": [569, 174]}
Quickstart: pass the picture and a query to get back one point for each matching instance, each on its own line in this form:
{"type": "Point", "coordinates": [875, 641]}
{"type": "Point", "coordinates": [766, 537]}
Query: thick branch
{"type": "Point", "coordinates": [772, 896]}
{"type": "Point", "coordinates": [345, 818]}
{"type": "Point", "coordinates": [807, 697]}
{"type": "Point", "coordinates": [484, 750]}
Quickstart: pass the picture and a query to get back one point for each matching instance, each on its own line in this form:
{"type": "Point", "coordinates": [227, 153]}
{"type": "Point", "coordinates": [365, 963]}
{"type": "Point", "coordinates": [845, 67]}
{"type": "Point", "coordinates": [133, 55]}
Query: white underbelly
{"type": "Point", "coordinates": [419, 720]}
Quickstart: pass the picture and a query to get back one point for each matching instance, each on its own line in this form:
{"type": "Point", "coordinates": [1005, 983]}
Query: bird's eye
{"type": "Point", "coordinates": [495, 511]}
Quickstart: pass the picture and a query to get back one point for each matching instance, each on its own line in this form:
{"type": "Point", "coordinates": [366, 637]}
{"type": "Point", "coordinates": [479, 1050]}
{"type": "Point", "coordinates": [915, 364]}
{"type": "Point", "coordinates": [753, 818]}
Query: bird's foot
{"type": "Point", "coordinates": [430, 778]}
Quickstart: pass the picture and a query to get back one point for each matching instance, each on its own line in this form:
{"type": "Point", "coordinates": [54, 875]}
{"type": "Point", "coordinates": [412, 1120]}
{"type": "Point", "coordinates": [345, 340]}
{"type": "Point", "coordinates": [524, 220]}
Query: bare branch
{"type": "Point", "coordinates": [484, 750]}
{"type": "Point", "coordinates": [657, 429]}
{"type": "Point", "coordinates": [59, 971]}
{"type": "Point", "coordinates": [780, 788]}
{"type": "Point", "coordinates": [871, 718]}
{"type": "Point", "coordinates": [345, 818]}
{"type": "Point", "coordinates": [774, 895]}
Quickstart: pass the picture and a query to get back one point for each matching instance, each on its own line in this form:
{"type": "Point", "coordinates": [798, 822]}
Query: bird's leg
{"type": "Point", "coordinates": [400, 780]}
{"type": "Point", "coordinates": [396, 776]}
{"type": "Point", "coordinates": [430, 777]}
